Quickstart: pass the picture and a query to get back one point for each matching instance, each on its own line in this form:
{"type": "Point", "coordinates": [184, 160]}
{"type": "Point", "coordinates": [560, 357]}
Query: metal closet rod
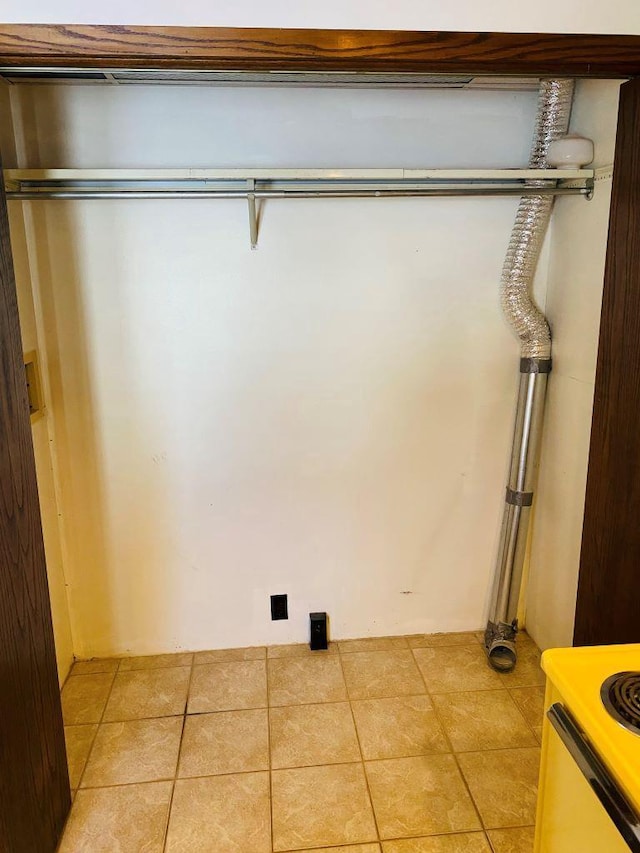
{"type": "Point", "coordinates": [255, 184]}
{"type": "Point", "coordinates": [74, 194]}
{"type": "Point", "coordinates": [252, 195]}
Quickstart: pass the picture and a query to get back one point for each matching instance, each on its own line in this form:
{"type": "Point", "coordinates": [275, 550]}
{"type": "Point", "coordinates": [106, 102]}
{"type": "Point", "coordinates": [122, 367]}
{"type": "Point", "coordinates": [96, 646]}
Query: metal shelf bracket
{"type": "Point", "coordinates": [253, 216]}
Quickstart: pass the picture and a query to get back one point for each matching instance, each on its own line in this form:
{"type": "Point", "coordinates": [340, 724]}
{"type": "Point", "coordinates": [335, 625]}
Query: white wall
{"type": "Point", "coordinates": [327, 417]}
{"type": "Point", "coordinates": [616, 16]}
{"type": "Point", "coordinates": [40, 428]}
{"type": "Point", "coordinates": [577, 257]}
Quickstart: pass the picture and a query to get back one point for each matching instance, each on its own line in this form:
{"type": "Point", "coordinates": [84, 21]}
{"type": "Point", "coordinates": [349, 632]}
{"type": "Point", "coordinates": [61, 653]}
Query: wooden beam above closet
{"type": "Point", "coordinates": [92, 46]}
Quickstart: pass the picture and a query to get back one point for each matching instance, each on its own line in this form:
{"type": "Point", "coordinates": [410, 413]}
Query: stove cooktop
{"type": "Point", "coordinates": [620, 695]}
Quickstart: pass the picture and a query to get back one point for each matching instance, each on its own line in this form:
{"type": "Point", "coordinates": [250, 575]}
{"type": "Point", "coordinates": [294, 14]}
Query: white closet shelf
{"type": "Point", "coordinates": [13, 176]}
{"type": "Point", "coordinates": [254, 183]}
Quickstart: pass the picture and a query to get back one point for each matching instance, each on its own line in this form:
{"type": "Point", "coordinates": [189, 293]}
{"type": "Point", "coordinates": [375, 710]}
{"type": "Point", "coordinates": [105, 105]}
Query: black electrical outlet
{"type": "Point", "coordinates": [318, 631]}
{"type": "Point", "coordinates": [279, 607]}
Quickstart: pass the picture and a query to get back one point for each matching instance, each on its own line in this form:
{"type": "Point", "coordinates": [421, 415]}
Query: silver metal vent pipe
{"type": "Point", "coordinates": [530, 325]}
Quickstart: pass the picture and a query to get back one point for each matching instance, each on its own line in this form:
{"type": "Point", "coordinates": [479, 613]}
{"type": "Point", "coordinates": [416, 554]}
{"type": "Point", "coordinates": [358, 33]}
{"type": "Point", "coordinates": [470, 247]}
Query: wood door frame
{"type": "Point", "coordinates": [608, 599]}
{"type": "Point", "coordinates": [224, 48]}
{"type": "Point", "coordinates": [34, 781]}
{"type": "Point", "coordinates": [39, 46]}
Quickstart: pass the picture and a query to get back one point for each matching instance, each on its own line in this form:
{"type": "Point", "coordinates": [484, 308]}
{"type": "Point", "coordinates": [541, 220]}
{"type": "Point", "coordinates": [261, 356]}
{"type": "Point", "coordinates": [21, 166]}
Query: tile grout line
{"type": "Point", "coordinates": [522, 716]}
{"type": "Point", "coordinates": [338, 847]}
{"type": "Point", "coordinates": [433, 705]}
{"type": "Point", "coordinates": [492, 748]}
{"type": "Point", "coordinates": [72, 674]}
{"type": "Point", "coordinates": [456, 754]}
{"type": "Point", "coordinates": [511, 689]}
{"type": "Point", "coordinates": [490, 842]}
{"type": "Point", "coordinates": [266, 669]}
{"type": "Point", "coordinates": [493, 848]}
{"type": "Point", "coordinates": [192, 714]}
{"type": "Point", "coordinates": [412, 649]}
{"type": "Point", "coordinates": [473, 800]}
{"type": "Point", "coordinates": [309, 766]}
{"type": "Point", "coordinates": [448, 740]}
{"type": "Point", "coordinates": [362, 762]}
{"type": "Point", "coordinates": [104, 708]}
{"type": "Point", "coordinates": [120, 661]}
{"type": "Point", "coordinates": [238, 773]}
{"type": "Point", "coordinates": [304, 651]}
{"type": "Point", "coordinates": [175, 776]}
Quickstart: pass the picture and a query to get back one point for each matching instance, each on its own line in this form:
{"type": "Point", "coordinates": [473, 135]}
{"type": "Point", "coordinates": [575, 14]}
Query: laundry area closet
{"type": "Point", "coordinates": [268, 332]}
{"type": "Point", "coordinates": [328, 415]}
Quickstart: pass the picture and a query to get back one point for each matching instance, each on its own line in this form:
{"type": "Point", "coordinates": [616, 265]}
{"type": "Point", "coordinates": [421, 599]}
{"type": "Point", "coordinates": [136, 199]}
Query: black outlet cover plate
{"type": "Point", "coordinates": [279, 607]}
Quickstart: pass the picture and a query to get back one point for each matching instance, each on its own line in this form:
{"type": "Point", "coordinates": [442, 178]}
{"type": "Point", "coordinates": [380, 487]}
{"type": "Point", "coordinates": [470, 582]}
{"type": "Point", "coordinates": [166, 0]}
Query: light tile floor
{"type": "Point", "coordinates": [388, 745]}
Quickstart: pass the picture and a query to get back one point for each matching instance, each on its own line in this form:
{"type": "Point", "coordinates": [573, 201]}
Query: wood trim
{"type": "Point", "coordinates": [319, 50]}
{"type": "Point", "coordinates": [34, 783]}
{"type": "Point", "coordinates": [608, 603]}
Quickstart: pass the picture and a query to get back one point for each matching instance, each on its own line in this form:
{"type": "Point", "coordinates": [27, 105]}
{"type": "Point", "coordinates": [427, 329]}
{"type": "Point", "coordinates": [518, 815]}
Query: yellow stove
{"type": "Point", "coordinates": [589, 795]}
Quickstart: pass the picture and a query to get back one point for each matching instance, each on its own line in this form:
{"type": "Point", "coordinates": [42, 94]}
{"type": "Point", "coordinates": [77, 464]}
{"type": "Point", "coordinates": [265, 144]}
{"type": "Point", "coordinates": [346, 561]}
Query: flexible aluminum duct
{"type": "Point", "coordinates": [532, 219]}
{"type": "Point", "coordinates": [531, 327]}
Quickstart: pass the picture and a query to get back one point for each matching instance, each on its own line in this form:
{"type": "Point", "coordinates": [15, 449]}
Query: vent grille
{"type": "Point", "coordinates": [38, 76]}
{"type": "Point", "coordinates": [355, 80]}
